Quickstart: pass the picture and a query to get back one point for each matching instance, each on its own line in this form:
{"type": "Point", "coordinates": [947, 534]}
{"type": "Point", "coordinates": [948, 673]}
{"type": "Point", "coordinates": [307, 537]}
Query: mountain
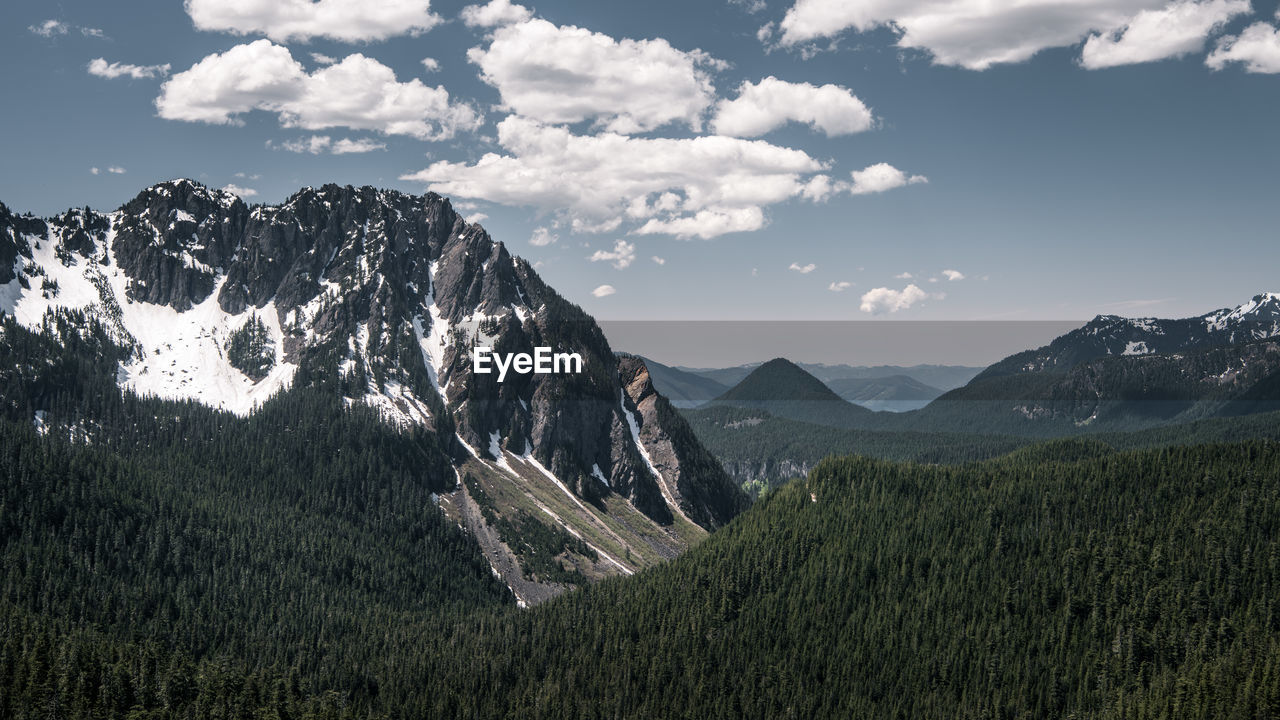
{"type": "Point", "coordinates": [1140, 391]}
{"type": "Point", "coordinates": [783, 388]}
{"type": "Point", "coordinates": [1116, 373]}
{"type": "Point", "coordinates": [728, 377]}
{"type": "Point", "coordinates": [1111, 335]}
{"type": "Point", "coordinates": [377, 297]}
{"type": "Point", "coordinates": [895, 392]}
{"type": "Point", "coordinates": [683, 388]}
{"type": "Point", "coordinates": [943, 377]}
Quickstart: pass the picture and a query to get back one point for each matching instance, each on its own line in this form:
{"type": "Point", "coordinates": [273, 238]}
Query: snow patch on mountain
{"type": "Point", "coordinates": [183, 354]}
{"type": "Point", "coordinates": [62, 282]}
{"type": "Point", "coordinates": [180, 355]}
{"type": "Point", "coordinates": [597, 474]}
{"type": "Point", "coordinates": [434, 341]}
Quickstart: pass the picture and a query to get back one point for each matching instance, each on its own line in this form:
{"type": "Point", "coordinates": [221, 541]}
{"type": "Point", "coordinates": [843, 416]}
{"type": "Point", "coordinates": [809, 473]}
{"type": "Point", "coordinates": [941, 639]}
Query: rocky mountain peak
{"type": "Point", "coordinates": [381, 297]}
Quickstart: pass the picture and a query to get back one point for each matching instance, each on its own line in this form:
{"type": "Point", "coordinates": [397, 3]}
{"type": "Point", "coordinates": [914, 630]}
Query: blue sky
{"type": "Point", "coordinates": [783, 159]}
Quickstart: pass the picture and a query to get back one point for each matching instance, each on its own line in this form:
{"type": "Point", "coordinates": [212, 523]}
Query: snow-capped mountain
{"type": "Point", "coordinates": [380, 296]}
{"type": "Point", "coordinates": [1127, 373]}
{"type": "Point", "coordinates": [1108, 335]}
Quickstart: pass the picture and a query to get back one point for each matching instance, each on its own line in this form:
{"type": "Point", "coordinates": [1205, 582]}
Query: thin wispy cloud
{"type": "Point", "coordinates": [542, 237]}
{"type": "Point", "coordinates": [55, 28]}
{"type": "Point", "coordinates": [101, 68]}
{"type": "Point", "coordinates": [320, 144]}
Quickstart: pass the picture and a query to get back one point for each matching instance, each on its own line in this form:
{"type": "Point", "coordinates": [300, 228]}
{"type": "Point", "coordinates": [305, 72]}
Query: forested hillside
{"type": "Point", "coordinates": [1063, 579]}
{"type": "Point", "coordinates": [1120, 585]}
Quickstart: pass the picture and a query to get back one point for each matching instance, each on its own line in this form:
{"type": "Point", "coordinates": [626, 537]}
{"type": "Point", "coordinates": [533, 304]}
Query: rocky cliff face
{"type": "Point", "coordinates": [690, 477]}
{"type": "Point", "coordinates": [377, 295]}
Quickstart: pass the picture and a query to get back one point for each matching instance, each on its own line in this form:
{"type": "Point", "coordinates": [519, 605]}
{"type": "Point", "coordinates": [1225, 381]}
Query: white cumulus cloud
{"type": "Point", "coordinates": [242, 192]}
{"type": "Point", "coordinates": [840, 286]}
{"type": "Point", "coordinates": [690, 187]}
{"type": "Point", "coordinates": [94, 171]}
{"type": "Point", "coordinates": [1257, 48]}
{"type": "Point", "coordinates": [803, 269]}
{"type": "Point", "coordinates": [116, 170]}
{"type": "Point", "coordinates": [604, 291]}
{"type": "Point", "coordinates": [568, 74]}
{"type": "Point", "coordinates": [542, 237]}
{"type": "Point", "coordinates": [882, 299]}
{"type": "Point", "coordinates": [953, 274]}
{"type": "Point", "coordinates": [343, 20]}
{"type": "Point", "coordinates": [494, 13]}
{"type": "Point", "coordinates": [431, 64]}
{"type": "Point", "coordinates": [322, 59]}
{"type": "Point", "coordinates": [357, 92]}
{"type": "Point", "coordinates": [1176, 29]}
{"type": "Point", "coordinates": [771, 103]}
{"type": "Point", "coordinates": [903, 276]}
{"type": "Point", "coordinates": [658, 260]}
{"type": "Point", "coordinates": [881, 177]}
{"type": "Point", "coordinates": [977, 34]}
{"type": "Point", "coordinates": [102, 68]}
{"type": "Point", "coordinates": [621, 256]}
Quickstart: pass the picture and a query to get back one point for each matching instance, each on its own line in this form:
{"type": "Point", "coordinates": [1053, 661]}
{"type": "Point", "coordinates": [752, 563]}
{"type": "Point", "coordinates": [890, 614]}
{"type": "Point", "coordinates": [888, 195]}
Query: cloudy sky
{"type": "Point", "coordinates": [723, 159]}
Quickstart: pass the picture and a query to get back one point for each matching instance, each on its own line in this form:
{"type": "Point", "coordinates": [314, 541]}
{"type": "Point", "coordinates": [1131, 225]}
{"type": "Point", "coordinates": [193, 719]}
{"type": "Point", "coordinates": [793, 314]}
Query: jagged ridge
{"type": "Point", "coordinates": [374, 294]}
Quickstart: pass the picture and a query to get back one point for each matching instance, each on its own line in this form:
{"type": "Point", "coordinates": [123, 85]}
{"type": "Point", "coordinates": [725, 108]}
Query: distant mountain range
{"type": "Point", "coordinates": [881, 387]}
{"type": "Point", "coordinates": [895, 393]}
{"type": "Point", "coordinates": [1111, 375]}
{"type": "Point", "coordinates": [942, 377]}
